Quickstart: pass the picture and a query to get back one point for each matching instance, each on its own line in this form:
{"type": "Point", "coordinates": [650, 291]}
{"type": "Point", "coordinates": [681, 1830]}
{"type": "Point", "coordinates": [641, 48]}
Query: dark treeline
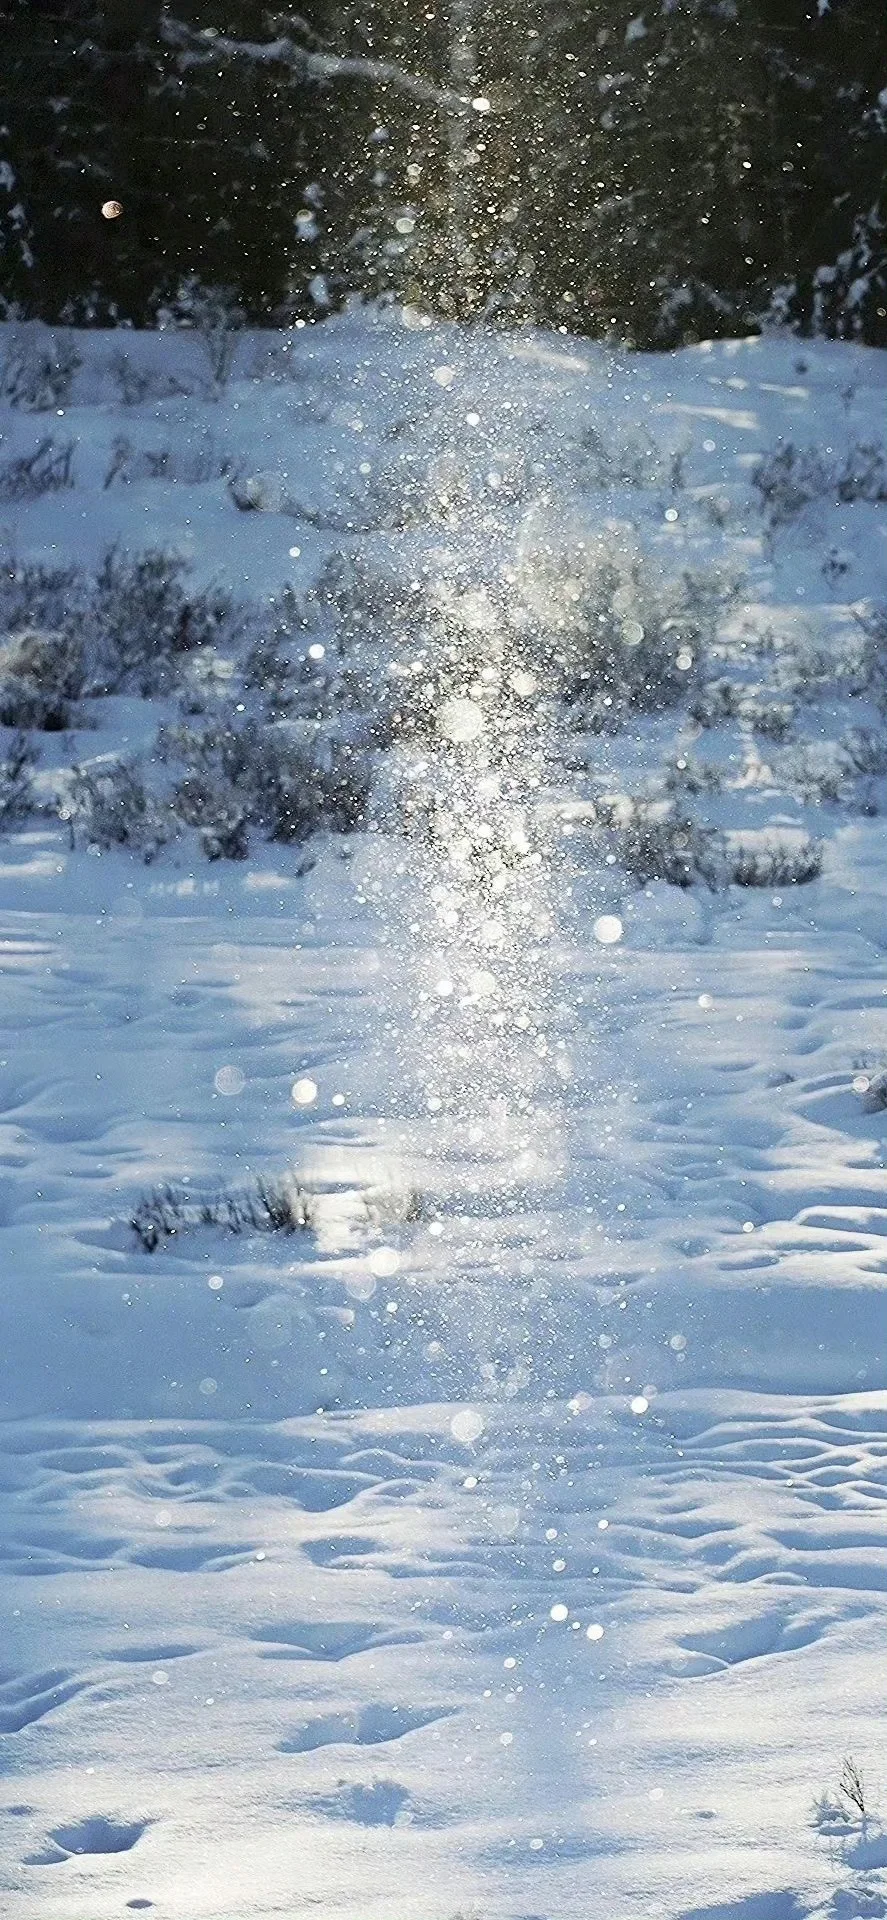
{"type": "Point", "coordinates": [656, 172]}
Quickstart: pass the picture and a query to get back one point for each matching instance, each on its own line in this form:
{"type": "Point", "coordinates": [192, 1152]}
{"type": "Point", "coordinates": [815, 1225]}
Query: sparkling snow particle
{"type": "Point", "coordinates": [338, 1099]}
{"type": "Point", "coordinates": [209, 1386]}
{"type": "Point", "coordinates": [509, 1662]}
{"type": "Point", "coordinates": [444, 376]}
{"type": "Point", "coordinates": [361, 1286]}
{"type": "Point", "coordinates": [671, 513]}
{"type": "Point", "coordinates": [558, 1566]}
{"type": "Point", "coordinates": [304, 1092]}
{"type": "Point", "coordinates": [481, 104]}
{"type": "Point", "coordinates": [657, 1793]}
{"type": "Point", "coordinates": [594, 1632]}
{"type": "Point", "coordinates": [460, 720]}
{"type": "Point", "coordinates": [467, 1426]}
{"type": "Point", "coordinates": [483, 983]}
{"type": "Point", "coordinates": [748, 1226]}
{"type": "Point", "coordinates": [215, 1283]}
{"type": "Point", "coordinates": [536, 1845]}
{"type": "Point", "coordinates": [470, 1482]}
{"type": "Point", "coordinates": [295, 552]}
{"type": "Point", "coordinates": [522, 683]}
{"type": "Point", "coordinates": [505, 1739]}
{"type": "Point", "coordinates": [684, 660]}
{"type": "Point", "coordinates": [383, 1262]}
{"type": "Point", "coordinates": [229, 1080]}
{"type": "Point", "coordinates": [405, 223]}
{"type": "Point", "coordinates": [677, 1342]}
{"type": "Point", "coordinates": [603, 1525]}
{"type": "Point", "coordinates": [632, 633]}
{"type": "Point", "coordinates": [705, 1001]}
{"type": "Point", "coordinates": [444, 988]}
{"type": "Point", "coordinates": [160, 1678]}
{"type": "Point", "coordinates": [861, 1083]}
{"type": "Point", "coordinates": [639, 1404]}
{"type": "Point", "coordinates": [111, 210]}
{"type": "Point", "coordinates": [607, 929]}
{"type": "Point", "coordinates": [163, 1518]}
{"type": "Point", "coordinates": [551, 1533]}
{"type": "Point", "coordinates": [709, 446]}
{"type": "Point", "coordinates": [472, 419]}
{"type": "Point", "coordinates": [559, 1612]}
{"type": "Point", "coordinates": [316, 651]}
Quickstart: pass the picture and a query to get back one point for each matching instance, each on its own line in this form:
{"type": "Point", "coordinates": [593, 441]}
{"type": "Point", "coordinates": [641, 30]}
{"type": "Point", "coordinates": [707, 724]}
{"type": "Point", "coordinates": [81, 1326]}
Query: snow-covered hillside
{"type": "Point", "coordinates": [444, 906]}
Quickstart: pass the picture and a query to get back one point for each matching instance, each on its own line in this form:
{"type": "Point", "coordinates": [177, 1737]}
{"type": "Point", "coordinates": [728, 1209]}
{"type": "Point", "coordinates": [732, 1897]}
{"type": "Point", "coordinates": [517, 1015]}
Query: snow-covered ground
{"type": "Point", "coordinates": [510, 1544]}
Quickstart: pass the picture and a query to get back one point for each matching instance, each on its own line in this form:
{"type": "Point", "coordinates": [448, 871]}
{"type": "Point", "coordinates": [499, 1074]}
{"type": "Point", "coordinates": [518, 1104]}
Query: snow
{"type": "Point", "coordinates": [513, 1542]}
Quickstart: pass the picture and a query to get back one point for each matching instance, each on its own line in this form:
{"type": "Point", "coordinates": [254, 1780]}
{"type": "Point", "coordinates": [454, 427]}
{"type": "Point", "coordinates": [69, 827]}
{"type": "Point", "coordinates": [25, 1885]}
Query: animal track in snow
{"type": "Point", "coordinates": [95, 1834]}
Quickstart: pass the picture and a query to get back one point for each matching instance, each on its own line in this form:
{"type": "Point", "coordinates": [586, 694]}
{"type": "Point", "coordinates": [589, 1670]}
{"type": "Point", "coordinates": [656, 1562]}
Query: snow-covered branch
{"type": "Point", "coordinates": [203, 48]}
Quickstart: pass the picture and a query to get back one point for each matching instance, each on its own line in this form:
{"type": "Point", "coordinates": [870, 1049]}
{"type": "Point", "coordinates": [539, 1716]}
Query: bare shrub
{"type": "Point", "coordinates": [851, 1787]}
{"type": "Point", "coordinates": [141, 621]}
{"type": "Point", "coordinates": [39, 597]}
{"type": "Point", "coordinates": [38, 371]}
{"type": "Point", "coordinates": [790, 477]}
{"type": "Point", "coordinates": [273, 777]}
{"type": "Point", "coordinates": [111, 806]}
{"type": "Point", "coordinates": [655, 843]}
{"type": "Point", "coordinates": [774, 863]}
{"type": "Point", "coordinates": [49, 469]}
{"type": "Point", "coordinates": [16, 790]}
{"type": "Point", "coordinates": [214, 315]}
{"type": "Point", "coordinates": [136, 384]}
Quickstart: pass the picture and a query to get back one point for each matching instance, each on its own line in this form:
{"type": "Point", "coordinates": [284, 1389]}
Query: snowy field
{"type": "Point", "coordinates": [492, 1527]}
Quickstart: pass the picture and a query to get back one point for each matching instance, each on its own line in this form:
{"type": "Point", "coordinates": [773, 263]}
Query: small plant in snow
{"type": "Point", "coordinates": [395, 1207]}
{"type": "Point", "coordinates": [267, 1206]}
{"type": "Point", "coordinates": [16, 791]}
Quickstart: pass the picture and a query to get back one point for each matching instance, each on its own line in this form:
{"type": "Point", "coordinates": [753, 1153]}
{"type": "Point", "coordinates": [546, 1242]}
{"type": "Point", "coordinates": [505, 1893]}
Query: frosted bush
{"type": "Point", "coordinates": [140, 620]}
{"type": "Point", "coordinates": [112, 806]}
{"type": "Point", "coordinates": [280, 780]}
{"type": "Point", "coordinates": [789, 478]}
{"type": "Point", "coordinates": [774, 863]}
{"type": "Point", "coordinates": [655, 842]}
{"type": "Point", "coordinates": [38, 370]}
{"type": "Point", "coordinates": [280, 1205]}
{"type": "Point", "coordinates": [40, 674]}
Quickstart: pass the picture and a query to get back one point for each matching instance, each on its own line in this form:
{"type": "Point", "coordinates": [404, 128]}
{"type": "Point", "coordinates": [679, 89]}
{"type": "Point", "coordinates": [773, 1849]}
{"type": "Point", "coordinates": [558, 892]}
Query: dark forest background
{"type": "Point", "coordinates": [654, 172]}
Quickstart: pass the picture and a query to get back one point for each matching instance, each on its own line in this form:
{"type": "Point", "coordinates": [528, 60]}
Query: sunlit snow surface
{"type": "Point", "coordinates": [513, 1546]}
